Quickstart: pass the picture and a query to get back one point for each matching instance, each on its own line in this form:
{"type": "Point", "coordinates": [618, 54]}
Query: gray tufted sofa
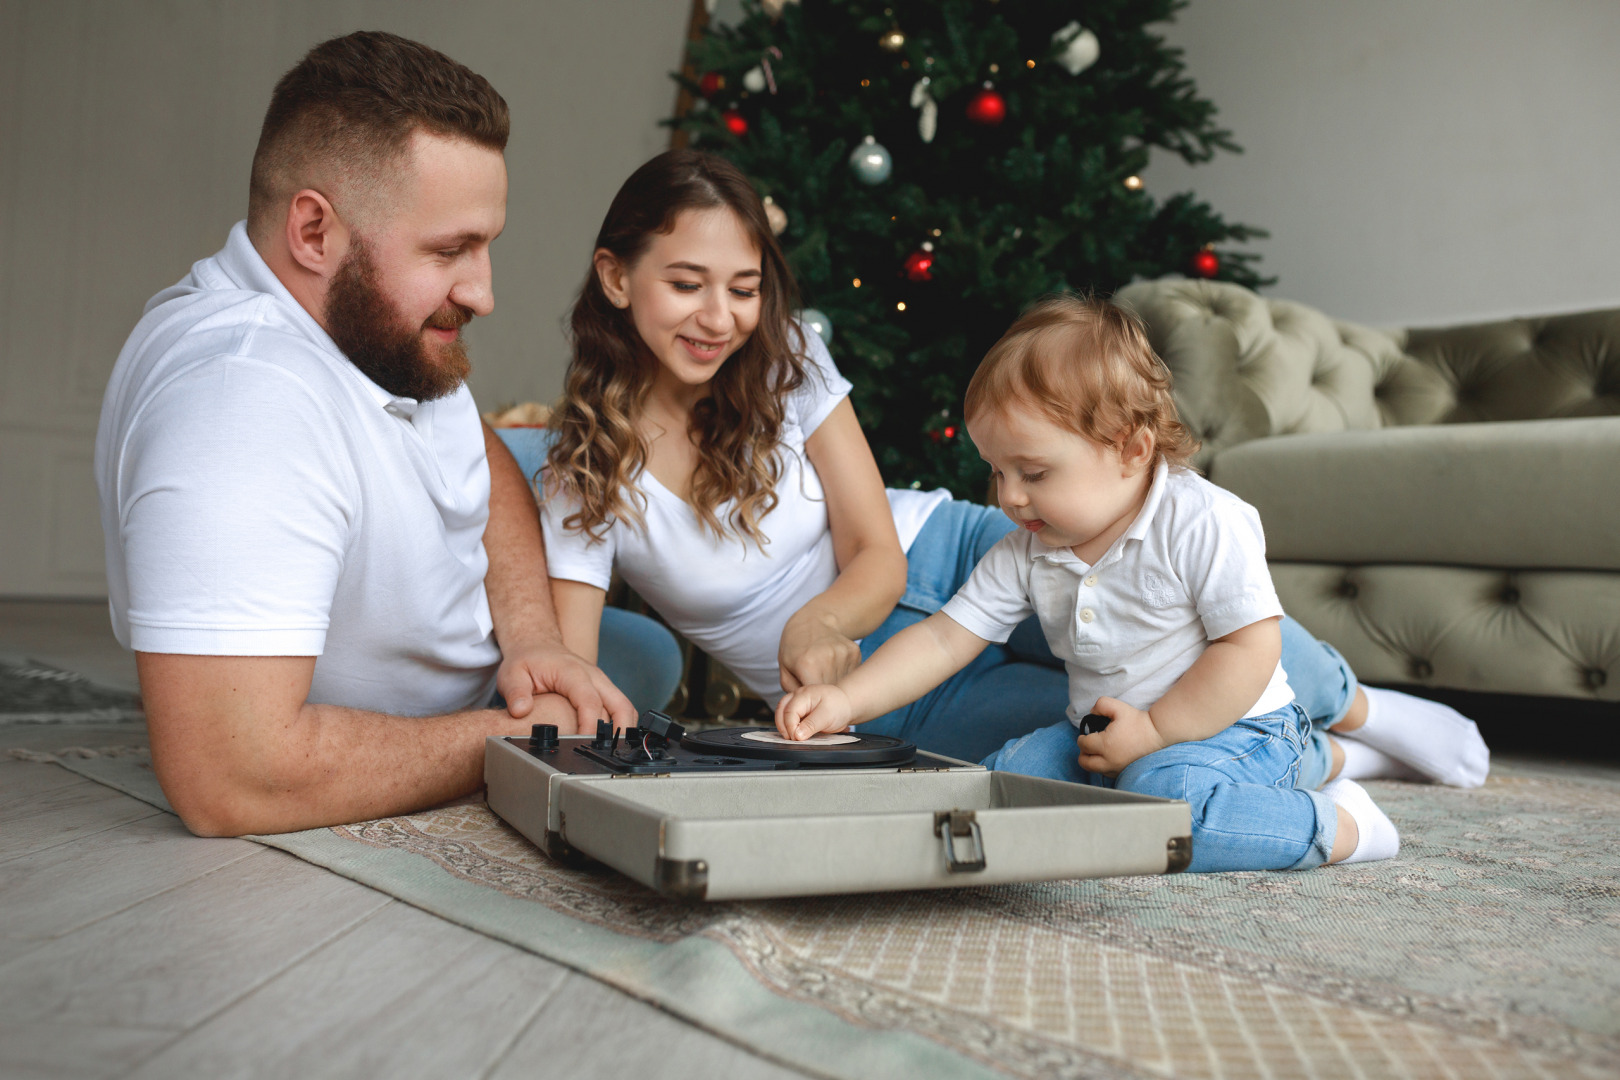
{"type": "Point", "coordinates": [1441, 505]}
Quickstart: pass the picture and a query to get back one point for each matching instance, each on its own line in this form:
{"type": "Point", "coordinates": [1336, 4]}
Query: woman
{"type": "Point", "coordinates": [707, 448]}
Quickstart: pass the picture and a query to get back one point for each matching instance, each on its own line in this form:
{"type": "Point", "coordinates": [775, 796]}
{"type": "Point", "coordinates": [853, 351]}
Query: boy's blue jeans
{"type": "Point", "coordinates": [1249, 811]}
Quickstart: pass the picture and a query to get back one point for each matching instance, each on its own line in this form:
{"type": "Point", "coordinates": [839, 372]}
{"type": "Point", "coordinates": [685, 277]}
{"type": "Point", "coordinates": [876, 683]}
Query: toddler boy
{"type": "Point", "coordinates": [1151, 585]}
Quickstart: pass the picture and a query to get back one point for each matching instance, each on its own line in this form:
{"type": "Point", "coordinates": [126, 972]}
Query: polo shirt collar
{"type": "Point", "coordinates": [245, 267]}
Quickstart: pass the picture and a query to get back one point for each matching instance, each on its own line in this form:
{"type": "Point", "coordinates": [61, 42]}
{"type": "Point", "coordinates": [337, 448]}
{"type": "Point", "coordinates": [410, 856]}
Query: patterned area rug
{"type": "Point", "coordinates": [33, 693]}
{"type": "Point", "coordinates": [1490, 947]}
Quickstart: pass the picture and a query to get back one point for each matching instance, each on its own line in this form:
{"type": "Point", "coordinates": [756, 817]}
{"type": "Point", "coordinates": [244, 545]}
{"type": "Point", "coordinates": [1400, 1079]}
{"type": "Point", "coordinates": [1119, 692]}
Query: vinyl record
{"type": "Point", "coordinates": [864, 750]}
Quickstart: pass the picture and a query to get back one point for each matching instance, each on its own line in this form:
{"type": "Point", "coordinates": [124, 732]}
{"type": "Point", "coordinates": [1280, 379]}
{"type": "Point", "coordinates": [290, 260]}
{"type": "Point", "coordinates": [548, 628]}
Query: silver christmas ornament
{"type": "Point", "coordinates": [871, 162]}
{"type": "Point", "coordinates": [817, 321]}
{"type": "Point", "coordinates": [1080, 48]}
{"type": "Point", "coordinates": [754, 81]}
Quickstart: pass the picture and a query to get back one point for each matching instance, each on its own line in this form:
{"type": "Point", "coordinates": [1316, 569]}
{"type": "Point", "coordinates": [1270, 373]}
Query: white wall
{"type": "Point", "coordinates": [126, 133]}
{"type": "Point", "coordinates": [1418, 162]}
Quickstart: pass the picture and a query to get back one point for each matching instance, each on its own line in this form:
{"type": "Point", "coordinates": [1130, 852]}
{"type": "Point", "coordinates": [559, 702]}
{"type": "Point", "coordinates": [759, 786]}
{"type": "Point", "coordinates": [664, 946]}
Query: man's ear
{"type": "Point", "coordinates": [613, 275]}
{"type": "Point", "coordinates": [316, 238]}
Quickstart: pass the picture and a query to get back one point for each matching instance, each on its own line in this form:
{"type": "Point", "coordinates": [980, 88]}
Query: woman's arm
{"type": "Point", "coordinates": [579, 615]}
{"type": "Point", "coordinates": [908, 665]}
{"type": "Point", "coordinates": [818, 643]}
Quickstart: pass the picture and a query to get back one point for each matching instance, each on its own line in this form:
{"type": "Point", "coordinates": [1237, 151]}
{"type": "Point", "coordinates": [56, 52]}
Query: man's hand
{"type": "Point", "coordinates": [813, 650]}
{"type": "Point", "coordinates": [813, 709]}
{"type": "Point", "coordinates": [548, 668]}
{"type": "Point", "coordinates": [1129, 736]}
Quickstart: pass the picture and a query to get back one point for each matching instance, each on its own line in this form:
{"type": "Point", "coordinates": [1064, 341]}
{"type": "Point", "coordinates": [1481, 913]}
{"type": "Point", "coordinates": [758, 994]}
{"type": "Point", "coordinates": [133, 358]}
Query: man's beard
{"type": "Point", "coordinates": [364, 323]}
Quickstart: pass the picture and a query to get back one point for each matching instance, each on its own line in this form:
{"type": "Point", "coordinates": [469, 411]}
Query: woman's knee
{"type": "Point", "coordinates": [641, 656]}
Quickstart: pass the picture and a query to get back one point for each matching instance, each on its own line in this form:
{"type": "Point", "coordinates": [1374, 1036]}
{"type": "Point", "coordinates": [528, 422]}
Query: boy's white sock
{"type": "Point", "coordinates": [1363, 762]}
{"type": "Point", "coordinates": [1435, 739]}
{"type": "Point", "coordinates": [1378, 836]}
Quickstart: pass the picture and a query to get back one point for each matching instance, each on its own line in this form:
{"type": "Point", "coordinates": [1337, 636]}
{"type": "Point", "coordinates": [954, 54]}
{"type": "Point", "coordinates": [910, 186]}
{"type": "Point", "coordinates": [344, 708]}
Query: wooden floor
{"type": "Point", "coordinates": [129, 947]}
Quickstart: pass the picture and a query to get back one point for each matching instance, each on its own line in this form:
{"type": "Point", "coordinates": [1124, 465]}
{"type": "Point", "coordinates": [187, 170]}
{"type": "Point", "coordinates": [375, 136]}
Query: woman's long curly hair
{"type": "Point", "coordinates": [598, 454]}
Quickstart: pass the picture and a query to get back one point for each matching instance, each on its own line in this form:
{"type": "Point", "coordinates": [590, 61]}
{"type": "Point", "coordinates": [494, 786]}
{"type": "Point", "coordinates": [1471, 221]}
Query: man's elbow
{"type": "Point", "coordinates": [216, 811]}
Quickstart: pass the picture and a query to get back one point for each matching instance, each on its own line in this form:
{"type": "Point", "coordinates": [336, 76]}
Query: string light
{"type": "Point", "coordinates": [901, 306]}
{"type": "Point", "coordinates": [1029, 63]}
{"type": "Point", "coordinates": [1133, 183]}
{"type": "Point", "coordinates": [857, 283]}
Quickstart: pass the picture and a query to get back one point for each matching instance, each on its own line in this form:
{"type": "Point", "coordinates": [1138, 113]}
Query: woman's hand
{"type": "Point", "coordinates": [814, 650]}
{"type": "Point", "coordinates": [811, 710]}
{"type": "Point", "coordinates": [1129, 736]}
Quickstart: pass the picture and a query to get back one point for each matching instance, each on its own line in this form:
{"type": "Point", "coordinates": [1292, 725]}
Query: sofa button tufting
{"type": "Point", "coordinates": [1348, 589]}
{"type": "Point", "coordinates": [1510, 595]}
{"type": "Point", "coordinates": [1596, 678]}
{"type": "Point", "coordinates": [1422, 669]}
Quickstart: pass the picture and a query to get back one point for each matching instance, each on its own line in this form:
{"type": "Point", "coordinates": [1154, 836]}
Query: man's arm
{"type": "Point", "coordinates": [534, 659]}
{"type": "Point", "coordinates": [238, 749]}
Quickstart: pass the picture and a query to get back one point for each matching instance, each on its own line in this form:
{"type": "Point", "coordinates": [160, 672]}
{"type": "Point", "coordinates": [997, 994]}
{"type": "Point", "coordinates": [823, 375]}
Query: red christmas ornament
{"type": "Point", "coordinates": [919, 266]}
{"type": "Point", "coordinates": [735, 122]}
{"type": "Point", "coordinates": [1206, 263]}
{"type": "Point", "coordinates": [987, 107]}
{"type": "Point", "coordinates": [712, 83]}
{"type": "Point", "coordinates": [950, 431]}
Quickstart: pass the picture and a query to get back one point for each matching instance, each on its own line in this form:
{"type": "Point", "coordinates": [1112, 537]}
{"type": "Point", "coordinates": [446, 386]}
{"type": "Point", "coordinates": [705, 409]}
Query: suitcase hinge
{"type": "Point", "coordinates": [682, 879]}
{"type": "Point", "coordinates": [1179, 854]}
{"type": "Point", "coordinates": [950, 824]}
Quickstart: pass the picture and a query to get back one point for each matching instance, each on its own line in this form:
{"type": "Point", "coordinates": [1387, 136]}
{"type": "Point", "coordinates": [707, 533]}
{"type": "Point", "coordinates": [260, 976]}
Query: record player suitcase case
{"type": "Point", "coordinates": [935, 823]}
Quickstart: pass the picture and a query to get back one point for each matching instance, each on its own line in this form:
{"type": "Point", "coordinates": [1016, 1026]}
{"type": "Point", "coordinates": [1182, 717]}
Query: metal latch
{"type": "Point", "coordinates": [948, 825]}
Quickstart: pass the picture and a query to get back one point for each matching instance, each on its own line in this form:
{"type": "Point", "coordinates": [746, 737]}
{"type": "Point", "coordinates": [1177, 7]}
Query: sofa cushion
{"type": "Point", "coordinates": [1526, 369]}
{"type": "Point", "coordinates": [1246, 367]}
{"type": "Point", "coordinates": [1534, 493]}
{"type": "Point", "coordinates": [1518, 632]}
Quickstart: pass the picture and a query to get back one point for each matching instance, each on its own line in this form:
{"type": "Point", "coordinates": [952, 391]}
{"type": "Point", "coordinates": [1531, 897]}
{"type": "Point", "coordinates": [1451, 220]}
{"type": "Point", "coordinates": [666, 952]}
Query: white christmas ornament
{"type": "Point", "coordinates": [754, 81]}
{"type": "Point", "coordinates": [1080, 48]}
{"type": "Point", "coordinates": [928, 119]}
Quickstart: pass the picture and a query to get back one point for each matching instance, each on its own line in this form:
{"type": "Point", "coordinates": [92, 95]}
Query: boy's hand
{"type": "Point", "coordinates": [1130, 735]}
{"type": "Point", "coordinates": [813, 709]}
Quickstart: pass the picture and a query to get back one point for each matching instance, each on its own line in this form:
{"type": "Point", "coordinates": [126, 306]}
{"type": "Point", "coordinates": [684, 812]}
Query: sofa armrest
{"type": "Point", "coordinates": [1518, 494]}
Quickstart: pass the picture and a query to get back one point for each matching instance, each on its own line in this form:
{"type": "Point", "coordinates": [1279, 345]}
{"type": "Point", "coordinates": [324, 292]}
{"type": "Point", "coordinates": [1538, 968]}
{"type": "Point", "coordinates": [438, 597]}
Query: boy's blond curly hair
{"type": "Point", "coordinates": [1086, 365]}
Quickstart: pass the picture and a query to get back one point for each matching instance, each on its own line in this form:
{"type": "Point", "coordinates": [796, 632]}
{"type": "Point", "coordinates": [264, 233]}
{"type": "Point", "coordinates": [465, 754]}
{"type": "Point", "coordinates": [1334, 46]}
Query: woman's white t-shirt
{"type": "Point", "coordinates": [727, 596]}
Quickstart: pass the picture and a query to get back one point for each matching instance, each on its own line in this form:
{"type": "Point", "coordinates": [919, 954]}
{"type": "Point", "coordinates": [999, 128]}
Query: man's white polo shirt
{"type": "Point", "coordinates": [261, 497]}
{"type": "Point", "coordinates": [1191, 568]}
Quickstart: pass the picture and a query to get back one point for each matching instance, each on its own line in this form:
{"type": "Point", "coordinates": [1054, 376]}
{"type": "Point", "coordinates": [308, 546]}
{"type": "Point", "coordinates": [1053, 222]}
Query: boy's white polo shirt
{"type": "Point", "coordinates": [1191, 568]}
{"type": "Point", "coordinates": [262, 497]}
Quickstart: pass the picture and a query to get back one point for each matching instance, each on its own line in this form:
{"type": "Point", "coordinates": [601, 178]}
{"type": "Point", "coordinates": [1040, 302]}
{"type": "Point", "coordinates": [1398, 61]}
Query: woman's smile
{"type": "Point", "coordinates": [702, 349]}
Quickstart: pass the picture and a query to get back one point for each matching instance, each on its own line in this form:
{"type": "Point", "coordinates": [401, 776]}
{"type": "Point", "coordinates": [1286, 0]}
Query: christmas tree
{"type": "Point", "coordinates": [938, 165]}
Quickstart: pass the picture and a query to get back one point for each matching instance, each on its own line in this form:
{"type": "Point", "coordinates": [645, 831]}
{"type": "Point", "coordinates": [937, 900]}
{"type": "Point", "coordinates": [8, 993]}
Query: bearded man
{"type": "Point", "coordinates": [327, 566]}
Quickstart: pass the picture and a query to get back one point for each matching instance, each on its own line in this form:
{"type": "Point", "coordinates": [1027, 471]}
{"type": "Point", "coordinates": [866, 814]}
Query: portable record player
{"type": "Point", "coordinates": [739, 813]}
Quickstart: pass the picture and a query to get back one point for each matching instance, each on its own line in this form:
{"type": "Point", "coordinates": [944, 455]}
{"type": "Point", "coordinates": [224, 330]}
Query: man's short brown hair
{"type": "Point", "coordinates": [1086, 365]}
{"type": "Point", "coordinates": [347, 110]}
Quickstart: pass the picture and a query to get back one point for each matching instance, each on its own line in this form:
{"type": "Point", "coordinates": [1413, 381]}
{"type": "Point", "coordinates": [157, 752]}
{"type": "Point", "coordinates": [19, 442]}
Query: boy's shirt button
{"type": "Point", "coordinates": [1092, 580]}
{"type": "Point", "coordinates": [1086, 615]}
